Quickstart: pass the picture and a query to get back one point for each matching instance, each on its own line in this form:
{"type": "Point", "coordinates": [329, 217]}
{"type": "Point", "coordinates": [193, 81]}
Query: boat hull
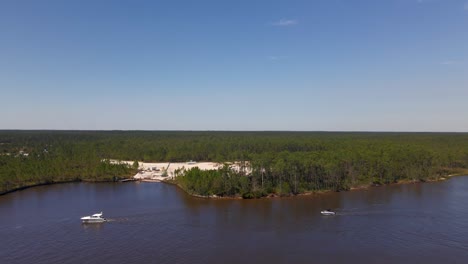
{"type": "Point", "coordinates": [327, 213]}
{"type": "Point", "coordinates": [93, 221]}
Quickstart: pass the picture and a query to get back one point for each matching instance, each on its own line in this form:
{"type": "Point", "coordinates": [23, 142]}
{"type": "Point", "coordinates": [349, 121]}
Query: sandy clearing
{"type": "Point", "coordinates": [155, 171]}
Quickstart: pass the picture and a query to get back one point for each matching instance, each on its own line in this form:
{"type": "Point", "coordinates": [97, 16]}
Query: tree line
{"type": "Point", "coordinates": [282, 163]}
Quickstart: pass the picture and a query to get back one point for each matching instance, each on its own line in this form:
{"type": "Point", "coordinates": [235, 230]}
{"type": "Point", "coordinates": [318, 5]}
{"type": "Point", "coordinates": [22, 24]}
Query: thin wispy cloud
{"type": "Point", "coordinates": [277, 58]}
{"type": "Point", "coordinates": [285, 22]}
{"type": "Point", "coordinates": [428, 1]}
{"type": "Point", "coordinates": [465, 6]}
{"type": "Point", "coordinates": [449, 62]}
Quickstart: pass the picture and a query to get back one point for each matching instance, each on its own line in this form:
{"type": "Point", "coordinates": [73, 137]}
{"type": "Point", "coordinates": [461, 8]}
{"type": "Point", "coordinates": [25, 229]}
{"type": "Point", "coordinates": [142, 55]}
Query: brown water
{"type": "Point", "coordinates": [158, 223]}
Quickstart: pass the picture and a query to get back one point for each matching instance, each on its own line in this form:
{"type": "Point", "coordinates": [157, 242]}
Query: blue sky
{"type": "Point", "coordinates": [363, 65]}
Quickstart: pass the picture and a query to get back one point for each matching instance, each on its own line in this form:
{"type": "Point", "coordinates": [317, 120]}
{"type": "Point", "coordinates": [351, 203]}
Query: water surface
{"type": "Point", "coordinates": [158, 223]}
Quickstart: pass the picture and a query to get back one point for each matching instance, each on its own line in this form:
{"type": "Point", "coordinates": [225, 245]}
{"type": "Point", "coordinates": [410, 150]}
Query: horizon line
{"type": "Point", "coordinates": [215, 130]}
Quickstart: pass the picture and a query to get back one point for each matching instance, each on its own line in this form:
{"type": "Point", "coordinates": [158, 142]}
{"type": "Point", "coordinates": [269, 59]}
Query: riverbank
{"type": "Point", "coordinates": [452, 173]}
{"type": "Point", "coordinates": [36, 184]}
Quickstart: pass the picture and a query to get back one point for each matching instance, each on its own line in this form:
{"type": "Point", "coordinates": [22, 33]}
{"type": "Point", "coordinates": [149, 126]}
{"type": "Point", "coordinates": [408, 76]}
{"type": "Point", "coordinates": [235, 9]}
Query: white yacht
{"type": "Point", "coordinates": [95, 218]}
{"type": "Point", "coordinates": [327, 212]}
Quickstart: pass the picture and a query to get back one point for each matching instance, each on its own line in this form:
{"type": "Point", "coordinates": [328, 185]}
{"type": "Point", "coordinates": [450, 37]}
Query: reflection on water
{"type": "Point", "coordinates": [93, 226]}
{"type": "Point", "coordinates": [151, 222]}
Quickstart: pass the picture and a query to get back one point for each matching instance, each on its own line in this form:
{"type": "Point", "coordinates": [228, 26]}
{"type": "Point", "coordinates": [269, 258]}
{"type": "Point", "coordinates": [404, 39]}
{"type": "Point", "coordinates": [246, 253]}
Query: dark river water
{"type": "Point", "coordinates": [158, 223]}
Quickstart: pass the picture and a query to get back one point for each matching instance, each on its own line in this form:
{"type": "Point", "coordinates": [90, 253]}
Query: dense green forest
{"type": "Point", "coordinates": [282, 163]}
{"type": "Point", "coordinates": [34, 158]}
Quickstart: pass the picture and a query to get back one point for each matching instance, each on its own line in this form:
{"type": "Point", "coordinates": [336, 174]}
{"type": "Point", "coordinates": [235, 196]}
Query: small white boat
{"type": "Point", "coordinates": [95, 218]}
{"type": "Point", "coordinates": [327, 212]}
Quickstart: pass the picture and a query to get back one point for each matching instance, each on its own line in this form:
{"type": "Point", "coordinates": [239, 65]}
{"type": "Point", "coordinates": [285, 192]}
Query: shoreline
{"type": "Point", "coordinates": [55, 182]}
{"type": "Point", "coordinates": [153, 172]}
{"type": "Point", "coordinates": [463, 172]}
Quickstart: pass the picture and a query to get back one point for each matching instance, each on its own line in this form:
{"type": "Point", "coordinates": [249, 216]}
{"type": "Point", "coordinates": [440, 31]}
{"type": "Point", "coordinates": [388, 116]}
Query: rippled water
{"type": "Point", "coordinates": [158, 223]}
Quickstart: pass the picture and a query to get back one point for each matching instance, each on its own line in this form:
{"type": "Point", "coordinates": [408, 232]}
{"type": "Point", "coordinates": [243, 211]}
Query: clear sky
{"type": "Point", "coordinates": [354, 65]}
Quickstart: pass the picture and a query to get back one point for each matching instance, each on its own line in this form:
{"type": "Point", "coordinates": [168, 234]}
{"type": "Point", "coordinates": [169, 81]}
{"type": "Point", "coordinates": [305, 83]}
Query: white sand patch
{"type": "Point", "coordinates": [166, 170]}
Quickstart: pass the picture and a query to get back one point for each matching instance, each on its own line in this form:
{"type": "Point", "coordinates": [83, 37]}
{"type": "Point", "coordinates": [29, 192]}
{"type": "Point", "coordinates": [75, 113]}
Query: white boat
{"type": "Point", "coordinates": [327, 212]}
{"type": "Point", "coordinates": [95, 218]}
